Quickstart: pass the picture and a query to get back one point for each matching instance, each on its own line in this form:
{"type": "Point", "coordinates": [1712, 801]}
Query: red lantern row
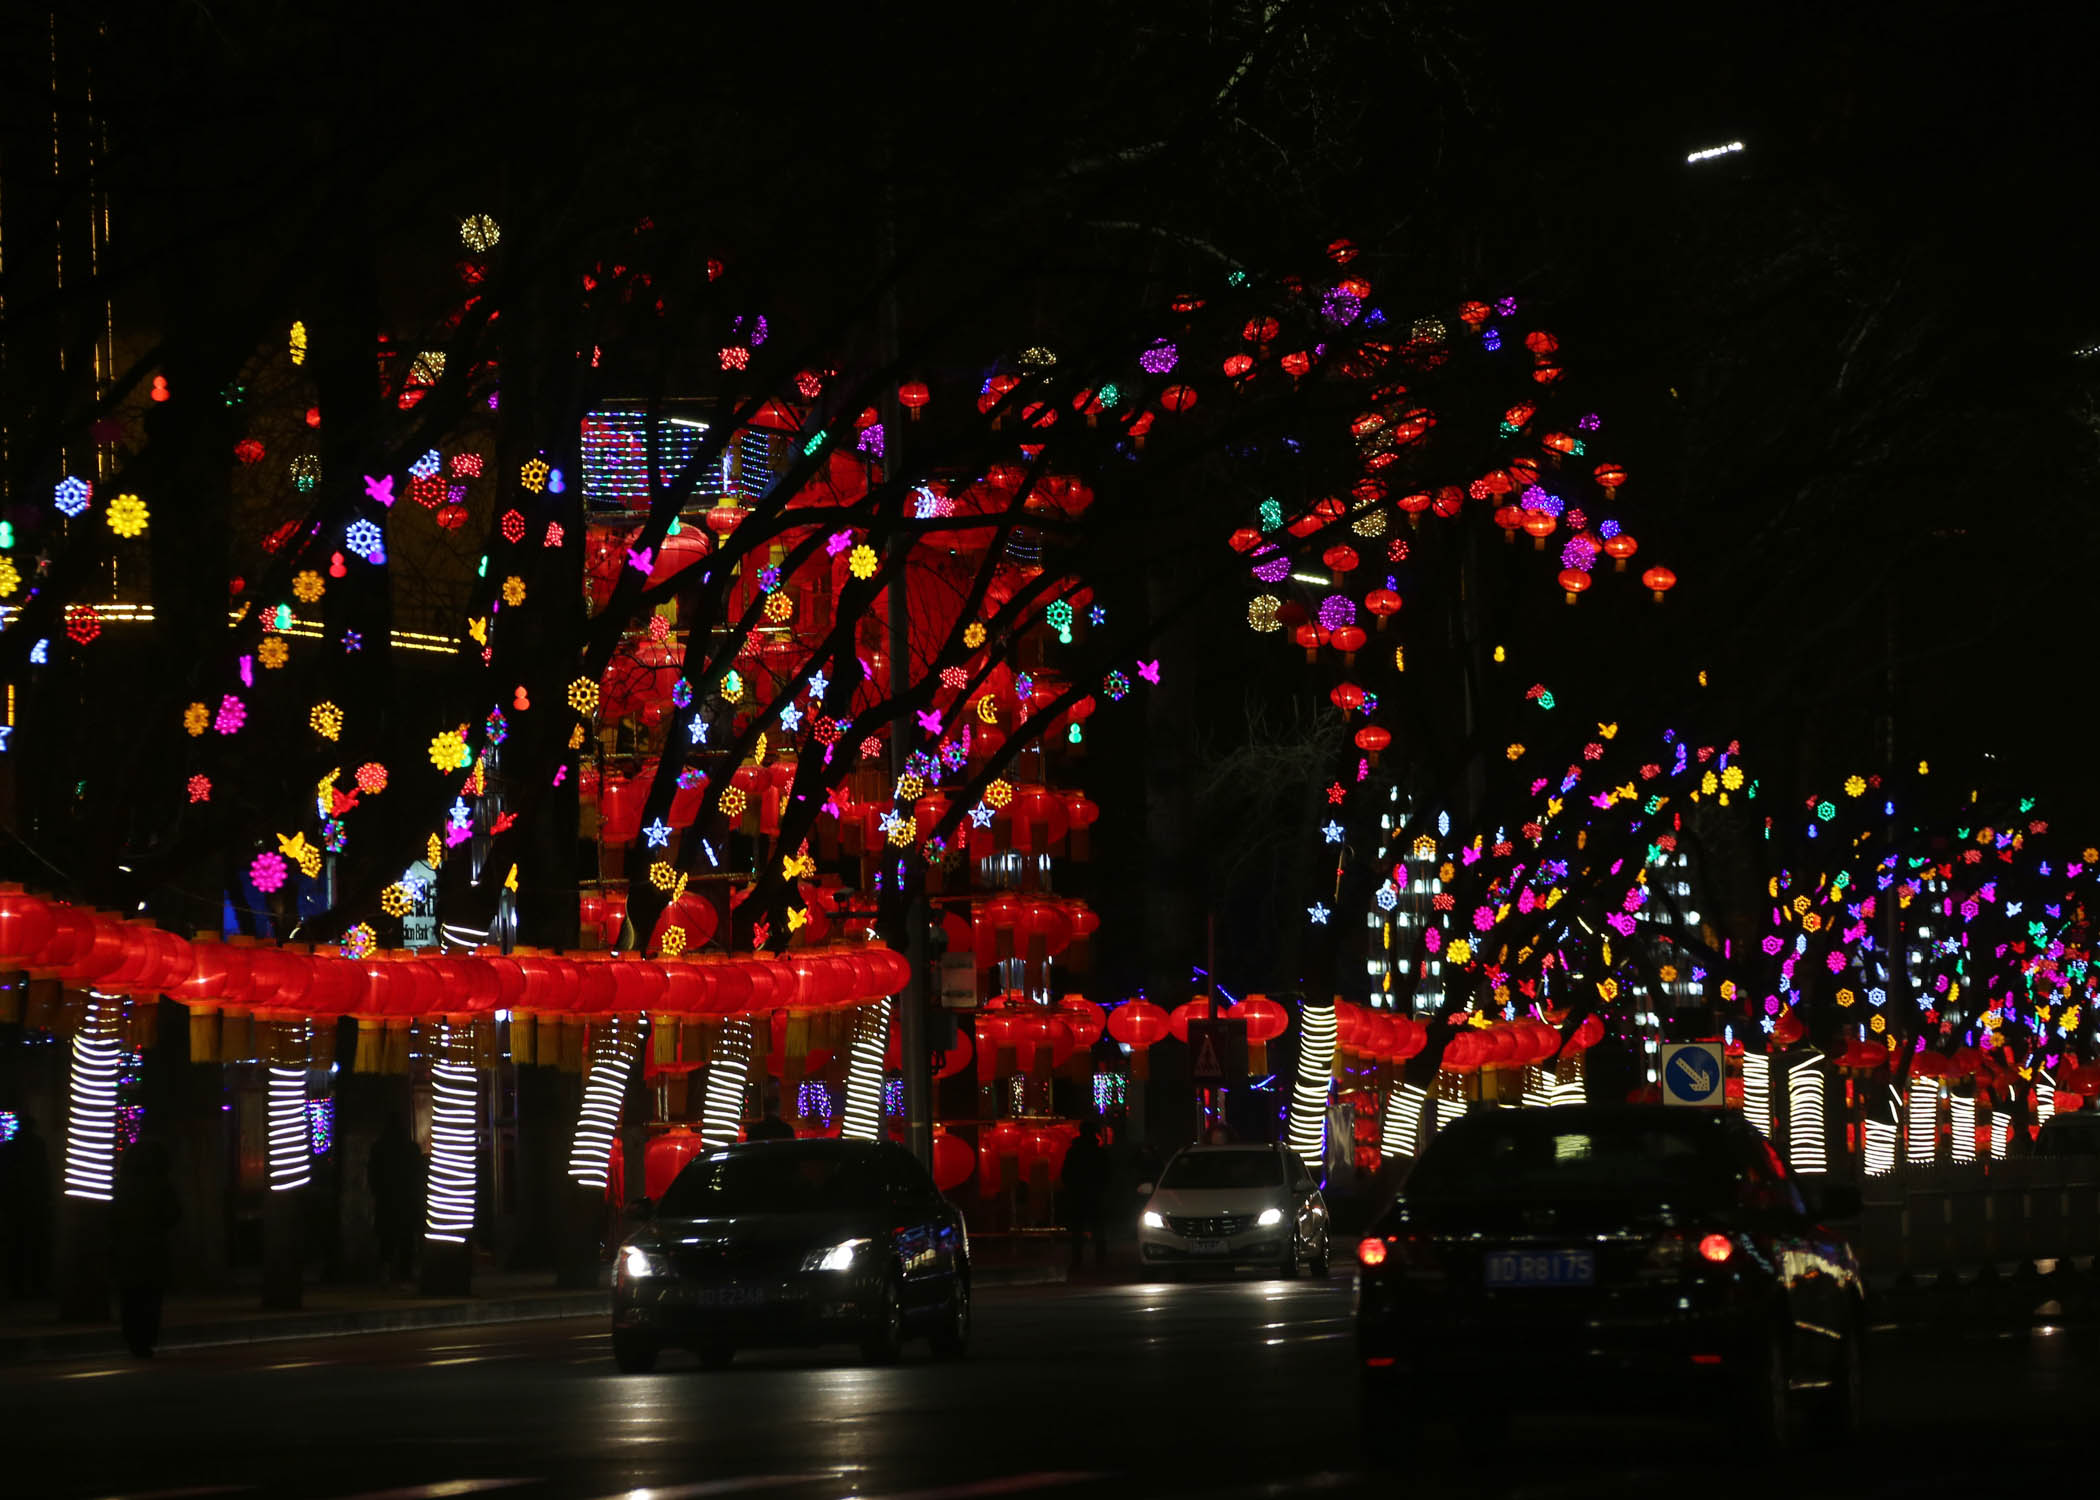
{"type": "Point", "coordinates": [79, 946]}
{"type": "Point", "coordinates": [1516, 1044]}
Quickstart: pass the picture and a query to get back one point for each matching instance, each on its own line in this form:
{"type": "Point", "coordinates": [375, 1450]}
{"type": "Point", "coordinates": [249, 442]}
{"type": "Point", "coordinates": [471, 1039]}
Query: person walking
{"type": "Point", "coordinates": [1086, 1177]}
{"type": "Point", "coordinates": [25, 1210]}
{"type": "Point", "coordinates": [143, 1213]}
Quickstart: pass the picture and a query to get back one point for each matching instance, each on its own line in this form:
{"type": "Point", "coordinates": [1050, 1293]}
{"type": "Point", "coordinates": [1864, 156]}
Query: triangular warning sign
{"type": "Point", "coordinates": [1207, 1064]}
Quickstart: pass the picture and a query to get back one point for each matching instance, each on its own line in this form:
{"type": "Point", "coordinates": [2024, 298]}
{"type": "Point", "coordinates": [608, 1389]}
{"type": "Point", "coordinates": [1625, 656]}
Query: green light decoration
{"type": "Point", "coordinates": [1546, 700]}
{"type": "Point", "coordinates": [1059, 618]}
{"type": "Point", "coordinates": [1271, 515]}
{"type": "Point", "coordinates": [1072, 735]}
{"type": "Point", "coordinates": [816, 441]}
{"type": "Point", "coordinates": [481, 569]}
{"type": "Point", "coordinates": [7, 534]}
{"type": "Point", "coordinates": [674, 528]}
{"type": "Point", "coordinates": [1825, 811]}
{"type": "Point", "coordinates": [283, 617]}
{"type": "Point", "coordinates": [1108, 395]}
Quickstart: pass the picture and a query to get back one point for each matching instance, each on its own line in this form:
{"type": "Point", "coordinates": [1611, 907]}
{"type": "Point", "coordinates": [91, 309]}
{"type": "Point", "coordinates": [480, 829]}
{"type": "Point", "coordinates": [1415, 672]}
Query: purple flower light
{"type": "Point", "coordinates": [1340, 307]}
{"type": "Point", "coordinates": [1159, 359]}
{"type": "Point", "coordinates": [1273, 569]}
{"type": "Point", "coordinates": [1580, 553]}
{"type": "Point", "coordinates": [1537, 499]}
{"type": "Point", "coordinates": [1337, 611]}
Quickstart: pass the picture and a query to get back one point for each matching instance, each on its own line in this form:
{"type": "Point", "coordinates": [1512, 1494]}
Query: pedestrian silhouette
{"type": "Point", "coordinates": [1086, 1176]}
{"type": "Point", "coordinates": [395, 1172]}
{"type": "Point", "coordinates": [25, 1210]}
{"type": "Point", "coordinates": [143, 1215]}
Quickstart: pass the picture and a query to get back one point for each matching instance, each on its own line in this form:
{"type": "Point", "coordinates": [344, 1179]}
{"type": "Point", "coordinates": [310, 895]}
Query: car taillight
{"type": "Point", "coordinates": [1717, 1247]}
{"type": "Point", "coordinates": [1371, 1252]}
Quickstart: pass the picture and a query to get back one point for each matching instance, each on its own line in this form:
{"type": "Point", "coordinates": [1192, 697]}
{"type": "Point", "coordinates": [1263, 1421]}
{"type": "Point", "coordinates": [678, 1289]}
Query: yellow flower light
{"type": "Point", "coordinates": [127, 515]}
{"type": "Point", "coordinates": [673, 942]}
{"type": "Point", "coordinates": [448, 751]}
{"type": "Point", "coordinates": [999, 793]}
{"type": "Point", "coordinates": [583, 696]}
{"type": "Point", "coordinates": [1732, 778]}
{"type": "Point", "coordinates": [904, 832]}
{"type": "Point", "coordinates": [861, 561]}
{"type": "Point", "coordinates": [534, 474]}
{"type": "Point", "coordinates": [514, 591]}
{"type": "Point", "coordinates": [196, 719]}
{"type": "Point", "coordinates": [327, 720]}
{"type": "Point", "coordinates": [733, 803]}
{"type": "Point", "coordinates": [1855, 785]}
{"type": "Point", "coordinates": [910, 788]}
{"type": "Point", "coordinates": [1458, 951]}
{"type": "Point", "coordinates": [307, 586]}
{"type": "Point", "coordinates": [662, 875]}
{"type": "Point", "coordinates": [1425, 847]}
{"type": "Point", "coordinates": [780, 607]}
{"type": "Point", "coordinates": [1515, 752]}
{"type": "Point", "coordinates": [394, 900]}
{"type": "Point", "coordinates": [973, 634]}
{"type": "Point", "coordinates": [273, 652]}
{"type": "Point", "coordinates": [1845, 998]}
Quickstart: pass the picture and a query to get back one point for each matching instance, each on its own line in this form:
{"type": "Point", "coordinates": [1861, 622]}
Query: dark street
{"type": "Point", "coordinates": [1219, 1388]}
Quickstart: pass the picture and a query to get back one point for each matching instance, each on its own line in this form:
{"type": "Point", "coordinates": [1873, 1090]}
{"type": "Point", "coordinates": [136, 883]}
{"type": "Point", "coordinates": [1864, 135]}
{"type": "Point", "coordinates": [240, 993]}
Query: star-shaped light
{"type": "Point", "coordinates": [460, 811]}
{"type": "Point", "coordinates": [1318, 913]}
{"type": "Point", "coordinates": [697, 728]}
{"type": "Point", "coordinates": [1335, 794]}
{"type": "Point", "coordinates": [790, 718]}
{"type": "Point", "coordinates": [980, 816]}
{"type": "Point", "coordinates": [658, 834]}
{"type": "Point", "coordinates": [1333, 830]}
{"type": "Point", "coordinates": [819, 685]}
{"type": "Point", "coordinates": [888, 822]}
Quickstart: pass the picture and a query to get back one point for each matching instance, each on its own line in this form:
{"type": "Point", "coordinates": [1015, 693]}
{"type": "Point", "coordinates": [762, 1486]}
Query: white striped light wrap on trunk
{"type": "Point", "coordinates": [455, 1102]}
{"type": "Point", "coordinates": [722, 1108]}
{"type": "Point", "coordinates": [598, 1122]}
{"type": "Point", "coordinates": [1403, 1121]}
{"type": "Point", "coordinates": [291, 1139]}
{"type": "Point", "coordinates": [1317, 1030]}
{"type": "Point", "coordinates": [1804, 1122]}
{"type": "Point", "coordinates": [861, 1120]}
{"type": "Point", "coordinates": [1757, 1090]}
{"type": "Point", "coordinates": [91, 1107]}
{"type": "Point", "coordinates": [1961, 1109]}
{"type": "Point", "coordinates": [1922, 1118]}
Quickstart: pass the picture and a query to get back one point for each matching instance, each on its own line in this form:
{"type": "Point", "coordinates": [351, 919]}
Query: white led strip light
{"type": "Point", "coordinates": [1961, 1111]}
{"type": "Point", "coordinates": [1403, 1121]}
{"type": "Point", "coordinates": [861, 1119]}
{"type": "Point", "coordinates": [1880, 1147]}
{"type": "Point", "coordinates": [1757, 1090]}
{"type": "Point", "coordinates": [2001, 1134]}
{"type": "Point", "coordinates": [449, 1214]}
{"type": "Point", "coordinates": [1317, 1029]}
{"type": "Point", "coordinates": [1923, 1118]}
{"type": "Point", "coordinates": [2044, 1099]}
{"type": "Point", "coordinates": [612, 1054]}
{"type": "Point", "coordinates": [722, 1112]}
{"type": "Point", "coordinates": [1804, 1094]}
{"type": "Point", "coordinates": [291, 1147]}
{"type": "Point", "coordinates": [91, 1110]}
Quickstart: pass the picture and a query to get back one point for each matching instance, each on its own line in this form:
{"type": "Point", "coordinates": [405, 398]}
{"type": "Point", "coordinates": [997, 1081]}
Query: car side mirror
{"type": "Point", "coordinates": [1835, 1200]}
{"type": "Point", "coordinates": [1145, 1189]}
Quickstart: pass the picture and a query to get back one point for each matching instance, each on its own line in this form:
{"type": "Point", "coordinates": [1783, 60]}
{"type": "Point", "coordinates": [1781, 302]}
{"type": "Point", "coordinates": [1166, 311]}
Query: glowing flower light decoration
{"type": "Point", "coordinates": [196, 719]}
{"type": "Point", "coordinates": [360, 942]}
{"type": "Point", "coordinates": [448, 752]}
{"type": "Point", "coordinates": [1160, 359]}
{"type": "Point", "coordinates": [273, 652]}
{"type": "Point", "coordinates": [268, 872]}
{"type": "Point", "coordinates": [127, 515]}
{"type": "Point", "coordinates": [1337, 611]}
{"type": "Point", "coordinates": [200, 789]}
{"type": "Point", "coordinates": [307, 586]}
{"type": "Point", "coordinates": [480, 233]}
{"type": "Point", "coordinates": [305, 471]}
{"type": "Point", "coordinates": [83, 623]}
{"type": "Point", "coordinates": [861, 561]}
{"type": "Point", "coordinates": [72, 495]}
{"type": "Point", "coordinates": [395, 901]}
{"type": "Point", "coordinates": [365, 539]}
{"type": "Point", "coordinates": [663, 875]}
{"type": "Point", "coordinates": [1261, 613]}
{"type": "Point", "coordinates": [327, 720]}
{"type": "Point", "coordinates": [533, 474]}
{"type": "Point", "coordinates": [10, 577]}
{"type": "Point", "coordinates": [583, 696]}
{"type": "Point", "coordinates": [514, 591]}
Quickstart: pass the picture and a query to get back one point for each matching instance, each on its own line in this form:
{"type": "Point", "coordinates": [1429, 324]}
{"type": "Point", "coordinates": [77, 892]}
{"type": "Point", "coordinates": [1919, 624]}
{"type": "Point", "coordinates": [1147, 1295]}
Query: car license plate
{"type": "Point", "coordinates": [1206, 1247]}
{"type": "Point", "coordinates": [1542, 1268]}
{"type": "Point", "coordinates": [731, 1296]}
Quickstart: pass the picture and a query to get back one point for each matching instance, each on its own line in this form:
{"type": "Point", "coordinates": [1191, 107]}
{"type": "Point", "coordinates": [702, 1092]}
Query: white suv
{"type": "Point", "coordinates": [1234, 1206]}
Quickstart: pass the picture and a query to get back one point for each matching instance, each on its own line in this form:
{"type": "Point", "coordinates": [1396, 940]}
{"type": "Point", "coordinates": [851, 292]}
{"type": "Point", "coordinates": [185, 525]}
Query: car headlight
{"type": "Point", "coordinates": [837, 1258]}
{"type": "Point", "coordinates": [1269, 1218]}
{"type": "Point", "coordinates": [1153, 1220]}
{"type": "Point", "coordinates": [635, 1263]}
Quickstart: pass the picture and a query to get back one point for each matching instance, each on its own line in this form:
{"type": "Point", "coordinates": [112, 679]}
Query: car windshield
{"type": "Point", "coordinates": [1527, 1153]}
{"type": "Point", "coordinates": [1202, 1170]}
{"type": "Point", "coordinates": [774, 1180]}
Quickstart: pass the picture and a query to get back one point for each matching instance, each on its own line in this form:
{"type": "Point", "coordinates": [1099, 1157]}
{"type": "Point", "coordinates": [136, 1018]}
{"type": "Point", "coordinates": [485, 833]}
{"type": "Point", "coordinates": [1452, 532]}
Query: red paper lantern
{"type": "Point", "coordinates": [1659, 582]}
{"type": "Point", "coordinates": [665, 1157]}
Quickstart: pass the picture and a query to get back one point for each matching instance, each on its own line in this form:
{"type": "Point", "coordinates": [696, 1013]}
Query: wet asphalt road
{"type": "Point", "coordinates": [1225, 1388]}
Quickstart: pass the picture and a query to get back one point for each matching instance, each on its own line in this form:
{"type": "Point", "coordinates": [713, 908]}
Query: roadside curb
{"type": "Point", "coordinates": [105, 1339]}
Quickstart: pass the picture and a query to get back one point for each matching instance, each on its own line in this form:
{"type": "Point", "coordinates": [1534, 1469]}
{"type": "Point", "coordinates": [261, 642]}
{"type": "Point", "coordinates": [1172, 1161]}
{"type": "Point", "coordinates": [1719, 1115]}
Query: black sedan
{"type": "Point", "coordinates": [1603, 1252]}
{"type": "Point", "coordinates": [794, 1242]}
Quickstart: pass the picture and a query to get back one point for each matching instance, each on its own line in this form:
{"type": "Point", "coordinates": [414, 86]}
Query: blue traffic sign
{"type": "Point", "coordinates": [1693, 1073]}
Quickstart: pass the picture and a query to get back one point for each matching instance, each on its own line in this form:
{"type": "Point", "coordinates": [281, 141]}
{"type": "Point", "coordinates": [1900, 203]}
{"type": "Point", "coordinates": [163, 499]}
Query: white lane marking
{"type": "Point", "coordinates": [1011, 1484]}
{"type": "Point", "coordinates": [742, 1484]}
{"type": "Point", "coordinates": [450, 1348]}
{"type": "Point", "coordinates": [457, 1359]}
{"type": "Point", "coordinates": [442, 1490]}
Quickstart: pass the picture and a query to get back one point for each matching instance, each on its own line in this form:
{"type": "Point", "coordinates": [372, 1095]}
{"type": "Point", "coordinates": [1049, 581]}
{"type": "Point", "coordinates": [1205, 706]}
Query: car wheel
{"type": "Point", "coordinates": [716, 1355]}
{"type": "Point", "coordinates": [951, 1339]}
{"type": "Point", "coordinates": [1319, 1260]}
{"type": "Point", "coordinates": [1835, 1413]}
{"type": "Point", "coordinates": [883, 1342]}
{"type": "Point", "coordinates": [633, 1352]}
{"type": "Point", "coordinates": [1289, 1268]}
